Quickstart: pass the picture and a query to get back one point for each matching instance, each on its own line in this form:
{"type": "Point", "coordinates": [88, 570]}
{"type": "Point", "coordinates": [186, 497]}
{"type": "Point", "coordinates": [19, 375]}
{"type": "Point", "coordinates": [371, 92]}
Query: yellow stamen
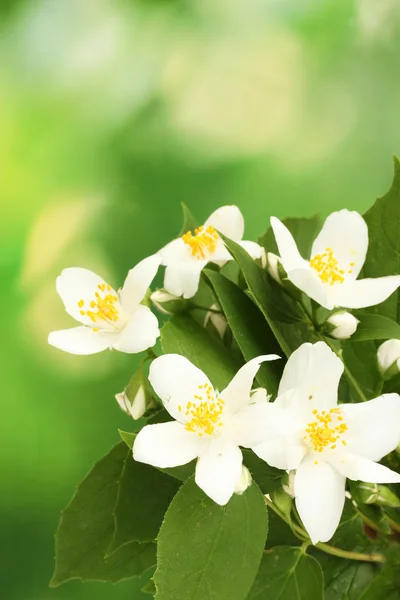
{"type": "Point", "coordinates": [203, 242]}
{"type": "Point", "coordinates": [327, 267]}
{"type": "Point", "coordinates": [103, 307]}
{"type": "Point", "coordinates": [324, 431]}
{"type": "Point", "coordinates": [205, 416]}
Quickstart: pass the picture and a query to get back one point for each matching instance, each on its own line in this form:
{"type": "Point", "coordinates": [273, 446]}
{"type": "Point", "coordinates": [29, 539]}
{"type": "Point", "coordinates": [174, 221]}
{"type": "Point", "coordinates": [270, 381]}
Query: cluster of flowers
{"type": "Point", "coordinates": [305, 431]}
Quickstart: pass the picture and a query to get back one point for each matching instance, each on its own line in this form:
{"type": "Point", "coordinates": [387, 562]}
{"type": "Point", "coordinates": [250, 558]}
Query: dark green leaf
{"type": "Point", "coordinates": [363, 374]}
{"type": "Point", "coordinates": [267, 478]}
{"type": "Point", "coordinates": [279, 532]}
{"type": "Point", "coordinates": [386, 585]}
{"type": "Point", "coordinates": [288, 574]}
{"type": "Point", "coordinates": [149, 588]}
{"type": "Point", "coordinates": [182, 335]}
{"type": "Point", "coordinates": [144, 494]}
{"type": "Point", "coordinates": [249, 327]}
{"type": "Point", "coordinates": [375, 327]}
{"type": "Point", "coordinates": [383, 257]}
{"type": "Point", "coordinates": [87, 525]}
{"type": "Point", "coordinates": [189, 221]}
{"type": "Point", "coordinates": [206, 551]}
{"type": "Point", "coordinates": [304, 232]}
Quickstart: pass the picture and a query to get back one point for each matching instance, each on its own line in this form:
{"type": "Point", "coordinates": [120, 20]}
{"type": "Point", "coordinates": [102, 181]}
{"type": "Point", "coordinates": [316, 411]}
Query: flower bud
{"type": "Point", "coordinates": [373, 493]}
{"type": "Point", "coordinates": [244, 481]}
{"type": "Point", "coordinates": [389, 356]}
{"type": "Point", "coordinates": [135, 400]}
{"type": "Point", "coordinates": [275, 267]}
{"type": "Point", "coordinates": [288, 483]}
{"type": "Point", "coordinates": [283, 501]}
{"type": "Point", "coordinates": [217, 319]}
{"type": "Point", "coordinates": [167, 303]}
{"type": "Point", "coordinates": [343, 323]}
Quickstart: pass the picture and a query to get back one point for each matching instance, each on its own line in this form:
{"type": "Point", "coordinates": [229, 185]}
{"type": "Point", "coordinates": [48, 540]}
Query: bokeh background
{"type": "Point", "coordinates": [112, 112]}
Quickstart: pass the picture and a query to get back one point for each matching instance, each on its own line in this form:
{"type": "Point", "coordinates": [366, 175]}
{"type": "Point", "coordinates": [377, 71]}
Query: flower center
{"type": "Point", "coordinates": [103, 307]}
{"type": "Point", "coordinates": [203, 242]}
{"type": "Point", "coordinates": [204, 412]}
{"type": "Point", "coordinates": [327, 267]}
{"type": "Point", "coordinates": [326, 430]}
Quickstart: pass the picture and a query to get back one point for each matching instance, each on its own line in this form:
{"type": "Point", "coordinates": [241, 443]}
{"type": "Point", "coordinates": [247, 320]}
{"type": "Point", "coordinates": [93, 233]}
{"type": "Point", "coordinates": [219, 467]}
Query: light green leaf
{"type": "Point", "coordinates": [144, 494]}
{"type": "Point", "coordinates": [303, 230]}
{"type": "Point", "coordinates": [375, 327]}
{"type": "Point", "coordinates": [249, 327]}
{"type": "Point", "coordinates": [288, 574]}
{"type": "Point", "coordinates": [210, 551]}
{"type": "Point", "coordinates": [127, 437]}
{"type": "Point", "coordinates": [86, 530]}
{"type": "Point", "coordinates": [189, 221]}
{"type": "Point", "coordinates": [182, 335]}
{"type": "Point", "coordinates": [383, 258]}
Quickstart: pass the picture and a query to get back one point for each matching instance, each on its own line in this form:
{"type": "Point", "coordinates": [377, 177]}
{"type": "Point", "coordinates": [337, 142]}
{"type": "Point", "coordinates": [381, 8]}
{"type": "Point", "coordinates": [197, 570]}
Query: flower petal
{"type": "Point", "coordinates": [237, 393]}
{"type": "Point", "coordinates": [218, 471]}
{"type": "Point", "coordinates": [366, 292]}
{"type": "Point", "coordinates": [313, 371]}
{"type": "Point", "coordinates": [76, 284]}
{"type": "Point", "coordinates": [228, 220]}
{"type": "Point", "coordinates": [358, 468]}
{"type": "Point", "coordinates": [82, 340]}
{"type": "Point", "coordinates": [373, 426]}
{"type": "Point", "coordinates": [283, 452]}
{"type": "Point", "coordinates": [252, 248]}
{"type": "Point", "coordinates": [137, 283]}
{"type": "Point", "coordinates": [176, 381]}
{"type": "Point", "coordinates": [307, 280]}
{"type": "Point", "coordinates": [166, 445]}
{"type": "Point", "coordinates": [290, 256]}
{"type": "Point", "coordinates": [140, 333]}
{"type": "Point", "coordinates": [183, 279]}
{"type": "Point", "coordinates": [320, 494]}
{"type": "Point", "coordinates": [346, 233]}
{"type": "Point", "coordinates": [256, 423]}
{"type": "Point", "coordinates": [176, 253]}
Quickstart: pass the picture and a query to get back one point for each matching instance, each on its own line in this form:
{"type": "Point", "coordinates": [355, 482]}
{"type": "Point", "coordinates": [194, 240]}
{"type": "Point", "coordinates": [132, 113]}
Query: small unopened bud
{"type": "Point", "coordinates": [217, 320]}
{"type": "Point", "coordinates": [373, 493]}
{"type": "Point", "coordinates": [275, 267]}
{"type": "Point", "coordinates": [167, 303]}
{"type": "Point", "coordinates": [244, 481]}
{"type": "Point", "coordinates": [342, 325]}
{"type": "Point", "coordinates": [283, 501]}
{"type": "Point", "coordinates": [389, 357]}
{"type": "Point", "coordinates": [136, 400]}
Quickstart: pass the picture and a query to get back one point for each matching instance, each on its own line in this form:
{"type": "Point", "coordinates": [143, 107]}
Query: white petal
{"type": "Point", "coordinates": [137, 283]}
{"type": "Point", "coordinates": [166, 445]}
{"type": "Point", "coordinates": [283, 452]}
{"type": "Point", "coordinates": [307, 280]}
{"type": "Point", "coordinates": [176, 381]}
{"type": "Point", "coordinates": [218, 471]}
{"type": "Point", "coordinates": [140, 333]}
{"type": "Point", "coordinates": [366, 292]}
{"type": "Point", "coordinates": [252, 248]}
{"type": "Point", "coordinates": [358, 468]}
{"type": "Point", "coordinates": [256, 423]}
{"type": "Point", "coordinates": [183, 279]}
{"type": "Point", "coordinates": [176, 253]}
{"type": "Point", "coordinates": [346, 233]}
{"type": "Point", "coordinates": [313, 371]}
{"type": "Point", "coordinates": [82, 340]}
{"type": "Point", "coordinates": [373, 426]}
{"type": "Point", "coordinates": [76, 284]}
{"type": "Point", "coordinates": [228, 220]}
{"type": "Point", "coordinates": [290, 256]}
{"type": "Point", "coordinates": [237, 394]}
{"type": "Point", "coordinates": [320, 493]}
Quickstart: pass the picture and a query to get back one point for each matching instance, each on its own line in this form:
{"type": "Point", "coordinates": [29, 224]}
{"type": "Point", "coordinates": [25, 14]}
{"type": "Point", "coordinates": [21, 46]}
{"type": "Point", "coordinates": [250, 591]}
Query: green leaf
{"type": "Point", "coordinates": [267, 478]}
{"type": "Point", "coordinates": [288, 574]}
{"type": "Point", "coordinates": [210, 551]}
{"type": "Point", "coordinates": [127, 437]}
{"type": "Point", "coordinates": [182, 335]}
{"type": "Point", "coordinates": [303, 230]}
{"type": "Point", "coordinates": [144, 494]}
{"type": "Point", "coordinates": [386, 585]}
{"type": "Point", "coordinates": [249, 327]}
{"type": "Point", "coordinates": [149, 588]}
{"type": "Point", "coordinates": [283, 315]}
{"type": "Point", "coordinates": [86, 530]}
{"type": "Point", "coordinates": [362, 368]}
{"type": "Point", "coordinates": [383, 257]}
{"type": "Point", "coordinates": [189, 221]}
{"type": "Point", "coordinates": [375, 327]}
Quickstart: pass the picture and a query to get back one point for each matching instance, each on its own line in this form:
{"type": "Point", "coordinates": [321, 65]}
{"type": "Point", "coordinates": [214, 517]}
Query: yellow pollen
{"type": "Point", "coordinates": [315, 462]}
{"type": "Point", "coordinates": [202, 243]}
{"type": "Point", "coordinates": [327, 267]}
{"type": "Point", "coordinates": [81, 303]}
{"type": "Point", "coordinates": [103, 307]}
{"type": "Point", "coordinates": [204, 416]}
{"type": "Point", "coordinates": [324, 431]}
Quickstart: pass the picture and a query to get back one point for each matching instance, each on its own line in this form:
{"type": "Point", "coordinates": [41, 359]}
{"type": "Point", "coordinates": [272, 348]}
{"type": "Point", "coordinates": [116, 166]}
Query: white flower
{"type": "Point", "coordinates": [217, 319]}
{"type": "Point", "coordinates": [136, 407]}
{"type": "Point", "coordinates": [337, 256]}
{"type": "Point", "coordinates": [345, 324]}
{"type": "Point", "coordinates": [109, 319]}
{"type": "Point", "coordinates": [388, 354]}
{"type": "Point", "coordinates": [324, 442]}
{"type": "Point", "coordinates": [208, 425]}
{"type": "Point", "coordinates": [186, 256]}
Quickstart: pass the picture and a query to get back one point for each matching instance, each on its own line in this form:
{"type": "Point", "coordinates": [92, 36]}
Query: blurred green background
{"type": "Point", "coordinates": [112, 112]}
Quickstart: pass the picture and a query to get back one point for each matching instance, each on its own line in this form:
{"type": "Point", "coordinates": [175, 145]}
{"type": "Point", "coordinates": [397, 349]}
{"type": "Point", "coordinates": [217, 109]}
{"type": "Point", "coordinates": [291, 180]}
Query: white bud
{"type": "Point", "coordinates": [344, 323]}
{"type": "Point", "coordinates": [388, 354]}
{"type": "Point", "coordinates": [274, 262]}
{"type": "Point", "coordinates": [167, 303]}
{"type": "Point", "coordinates": [244, 481]}
{"type": "Point", "coordinates": [217, 319]}
{"type": "Point", "coordinates": [289, 488]}
{"type": "Point", "coordinates": [136, 407]}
